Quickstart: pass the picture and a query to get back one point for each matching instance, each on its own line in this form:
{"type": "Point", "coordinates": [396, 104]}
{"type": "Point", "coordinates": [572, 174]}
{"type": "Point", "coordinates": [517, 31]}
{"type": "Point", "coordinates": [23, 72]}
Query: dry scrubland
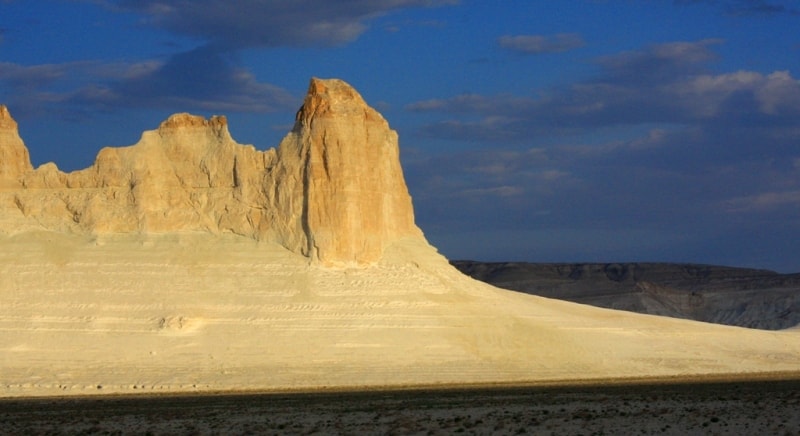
{"type": "Point", "coordinates": [742, 408]}
{"type": "Point", "coordinates": [190, 263]}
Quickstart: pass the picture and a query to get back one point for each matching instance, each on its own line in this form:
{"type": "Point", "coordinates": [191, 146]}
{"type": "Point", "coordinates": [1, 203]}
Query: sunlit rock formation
{"type": "Point", "coordinates": [339, 171]}
{"type": "Point", "coordinates": [188, 262]}
{"type": "Point", "coordinates": [332, 191]}
{"type": "Point", "coordinates": [14, 159]}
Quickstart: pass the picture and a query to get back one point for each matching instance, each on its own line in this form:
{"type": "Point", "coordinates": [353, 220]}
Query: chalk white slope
{"type": "Point", "coordinates": [184, 312]}
{"type": "Point", "coordinates": [190, 262]}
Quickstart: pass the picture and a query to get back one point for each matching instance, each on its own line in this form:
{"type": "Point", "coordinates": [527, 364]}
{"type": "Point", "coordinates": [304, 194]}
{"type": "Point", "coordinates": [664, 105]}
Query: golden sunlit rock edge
{"type": "Point", "coordinates": [188, 262]}
{"type": "Point", "coordinates": [333, 190]}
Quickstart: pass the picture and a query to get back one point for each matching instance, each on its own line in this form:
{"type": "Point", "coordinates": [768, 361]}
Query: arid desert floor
{"type": "Point", "coordinates": [679, 408]}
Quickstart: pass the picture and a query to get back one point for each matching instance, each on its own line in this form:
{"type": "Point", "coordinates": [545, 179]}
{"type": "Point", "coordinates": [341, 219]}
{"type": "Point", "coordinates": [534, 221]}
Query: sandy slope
{"type": "Point", "coordinates": [182, 312]}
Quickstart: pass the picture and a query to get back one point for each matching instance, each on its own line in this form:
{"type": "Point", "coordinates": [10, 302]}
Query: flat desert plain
{"type": "Point", "coordinates": [763, 407]}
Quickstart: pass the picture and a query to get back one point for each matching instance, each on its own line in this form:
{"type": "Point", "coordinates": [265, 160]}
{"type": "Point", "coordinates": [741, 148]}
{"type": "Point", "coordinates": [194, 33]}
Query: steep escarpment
{"type": "Point", "coordinates": [332, 191]}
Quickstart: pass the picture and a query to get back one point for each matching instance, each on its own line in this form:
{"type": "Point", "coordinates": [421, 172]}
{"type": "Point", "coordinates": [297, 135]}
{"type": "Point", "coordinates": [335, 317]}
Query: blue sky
{"type": "Point", "coordinates": [579, 131]}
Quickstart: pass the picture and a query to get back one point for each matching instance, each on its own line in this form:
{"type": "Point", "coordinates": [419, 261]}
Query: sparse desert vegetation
{"type": "Point", "coordinates": [761, 407]}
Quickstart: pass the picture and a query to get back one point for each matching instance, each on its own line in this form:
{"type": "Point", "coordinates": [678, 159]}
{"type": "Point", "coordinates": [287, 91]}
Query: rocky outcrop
{"type": "Point", "coordinates": [14, 158]}
{"type": "Point", "coordinates": [332, 191]}
{"type": "Point", "coordinates": [723, 295]}
{"type": "Point", "coordinates": [347, 188]}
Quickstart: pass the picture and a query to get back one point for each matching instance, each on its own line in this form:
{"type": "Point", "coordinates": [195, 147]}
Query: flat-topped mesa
{"type": "Point", "coordinates": [333, 190]}
{"type": "Point", "coordinates": [14, 158]}
{"type": "Point", "coordinates": [350, 193]}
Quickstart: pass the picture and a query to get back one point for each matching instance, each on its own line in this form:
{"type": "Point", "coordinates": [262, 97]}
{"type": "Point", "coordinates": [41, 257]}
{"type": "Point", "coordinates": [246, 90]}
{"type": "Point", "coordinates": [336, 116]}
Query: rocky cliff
{"type": "Point", "coordinates": [14, 159]}
{"type": "Point", "coordinates": [341, 165]}
{"type": "Point", "coordinates": [333, 190]}
{"type": "Point", "coordinates": [166, 267]}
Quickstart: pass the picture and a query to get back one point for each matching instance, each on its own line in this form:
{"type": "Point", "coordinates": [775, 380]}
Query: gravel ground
{"type": "Point", "coordinates": [735, 407]}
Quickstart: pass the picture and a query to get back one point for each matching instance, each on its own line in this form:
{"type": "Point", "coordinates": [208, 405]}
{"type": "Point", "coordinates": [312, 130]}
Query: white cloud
{"type": "Point", "coordinates": [774, 94]}
{"type": "Point", "coordinates": [779, 92]}
{"type": "Point", "coordinates": [661, 84]}
{"type": "Point", "coordinates": [35, 76]}
{"type": "Point", "coordinates": [84, 86]}
{"type": "Point", "coordinates": [269, 23]}
{"type": "Point", "coordinates": [765, 201]}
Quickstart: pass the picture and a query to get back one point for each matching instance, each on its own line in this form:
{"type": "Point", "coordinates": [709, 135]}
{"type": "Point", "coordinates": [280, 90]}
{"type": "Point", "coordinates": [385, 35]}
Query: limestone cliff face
{"type": "Point", "coordinates": [348, 191]}
{"type": "Point", "coordinates": [332, 191]}
{"type": "Point", "coordinates": [184, 176]}
{"type": "Point", "coordinates": [14, 159]}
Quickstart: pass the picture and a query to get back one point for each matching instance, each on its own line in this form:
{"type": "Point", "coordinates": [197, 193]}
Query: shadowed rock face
{"type": "Point", "coordinates": [336, 173]}
{"type": "Point", "coordinates": [734, 296]}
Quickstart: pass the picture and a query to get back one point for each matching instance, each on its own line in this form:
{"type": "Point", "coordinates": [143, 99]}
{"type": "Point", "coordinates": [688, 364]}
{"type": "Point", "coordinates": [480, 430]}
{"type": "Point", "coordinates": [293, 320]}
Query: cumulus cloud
{"type": "Point", "coordinates": [666, 83]}
{"type": "Point", "coordinates": [209, 76]}
{"type": "Point", "coordinates": [201, 79]}
{"type": "Point", "coordinates": [537, 44]}
{"type": "Point", "coordinates": [268, 23]}
{"type": "Point", "coordinates": [34, 89]}
{"type": "Point", "coordinates": [35, 76]}
{"type": "Point", "coordinates": [657, 63]}
{"type": "Point", "coordinates": [513, 189]}
{"type": "Point", "coordinates": [656, 138]}
{"type": "Point", "coordinates": [195, 80]}
{"type": "Point", "coordinates": [616, 188]}
{"type": "Point", "coordinates": [504, 176]}
{"type": "Point", "coordinates": [764, 201]}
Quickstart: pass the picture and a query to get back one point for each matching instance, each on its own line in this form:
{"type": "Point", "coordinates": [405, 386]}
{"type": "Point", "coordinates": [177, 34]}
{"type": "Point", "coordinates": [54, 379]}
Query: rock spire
{"type": "Point", "coordinates": [333, 190]}
{"type": "Point", "coordinates": [14, 158]}
{"type": "Point", "coordinates": [351, 196]}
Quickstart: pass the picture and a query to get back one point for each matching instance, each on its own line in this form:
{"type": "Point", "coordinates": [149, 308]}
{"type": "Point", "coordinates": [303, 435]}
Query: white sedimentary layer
{"type": "Point", "coordinates": [195, 311]}
{"type": "Point", "coordinates": [189, 262]}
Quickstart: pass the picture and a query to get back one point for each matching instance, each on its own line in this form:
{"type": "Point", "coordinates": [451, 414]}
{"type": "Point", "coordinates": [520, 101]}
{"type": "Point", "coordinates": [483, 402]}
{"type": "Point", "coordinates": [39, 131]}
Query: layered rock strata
{"type": "Point", "coordinates": [333, 190]}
